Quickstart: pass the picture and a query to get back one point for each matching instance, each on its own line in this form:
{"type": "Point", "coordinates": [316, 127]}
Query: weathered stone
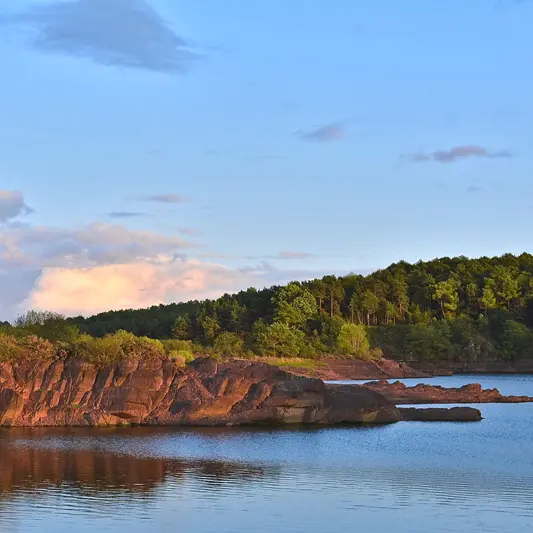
{"type": "Point", "coordinates": [399, 393]}
{"type": "Point", "coordinates": [157, 392]}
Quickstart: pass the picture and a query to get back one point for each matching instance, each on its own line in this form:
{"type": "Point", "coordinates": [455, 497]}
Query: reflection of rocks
{"type": "Point", "coordinates": [399, 393]}
{"type": "Point", "coordinates": [25, 468]}
{"type": "Point", "coordinates": [157, 392]}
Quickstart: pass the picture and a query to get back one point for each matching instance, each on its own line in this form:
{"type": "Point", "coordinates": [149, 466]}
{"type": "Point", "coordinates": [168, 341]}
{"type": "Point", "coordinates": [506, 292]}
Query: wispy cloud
{"type": "Point", "coordinates": [474, 189]}
{"type": "Point", "coordinates": [289, 254]}
{"type": "Point", "coordinates": [167, 198]}
{"type": "Point", "coordinates": [12, 205]}
{"type": "Point", "coordinates": [457, 153]}
{"type": "Point", "coordinates": [125, 214]}
{"type": "Point", "coordinates": [189, 232]}
{"type": "Point", "coordinates": [284, 255]}
{"type": "Point", "coordinates": [329, 132]}
{"type": "Point", "coordinates": [122, 33]}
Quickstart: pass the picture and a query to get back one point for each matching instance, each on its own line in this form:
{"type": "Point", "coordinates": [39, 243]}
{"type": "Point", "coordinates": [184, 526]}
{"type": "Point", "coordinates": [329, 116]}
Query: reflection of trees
{"type": "Point", "coordinates": [25, 466]}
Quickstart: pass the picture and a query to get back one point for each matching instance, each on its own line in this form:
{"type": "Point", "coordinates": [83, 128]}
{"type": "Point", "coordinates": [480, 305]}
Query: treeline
{"type": "Point", "coordinates": [453, 309]}
{"type": "Point", "coordinates": [449, 308]}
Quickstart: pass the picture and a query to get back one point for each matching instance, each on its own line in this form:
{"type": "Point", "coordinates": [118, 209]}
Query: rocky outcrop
{"type": "Point", "coordinates": [399, 393]}
{"type": "Point", "coordinates": [350, 369]}
{"type": "Point", "coordinates": [435, 414]}
{"type": "Point", "coordinates": [157, 392]}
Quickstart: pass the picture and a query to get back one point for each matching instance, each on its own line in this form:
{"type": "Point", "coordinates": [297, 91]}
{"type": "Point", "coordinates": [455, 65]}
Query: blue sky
{"type": "Point", "coordinates": [156, 150]}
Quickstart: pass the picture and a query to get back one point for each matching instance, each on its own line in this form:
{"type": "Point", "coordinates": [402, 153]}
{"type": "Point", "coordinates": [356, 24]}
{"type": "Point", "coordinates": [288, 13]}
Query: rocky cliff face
{"type": "Point", "coordinates": [156, 392]}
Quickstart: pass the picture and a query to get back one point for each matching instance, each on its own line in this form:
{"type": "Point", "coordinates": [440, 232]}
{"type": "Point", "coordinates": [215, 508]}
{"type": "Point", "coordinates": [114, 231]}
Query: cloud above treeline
{"type": "Point", "coordinates": [329, 132]}
{"type": "Point", "coordinates": [120, 33]}
{"type": "Point", "coordinates": [12, 205]}
{"type": "Point", "coordinates": [102, 266]}
{"type": "Point", "coordinates": [457, 153]}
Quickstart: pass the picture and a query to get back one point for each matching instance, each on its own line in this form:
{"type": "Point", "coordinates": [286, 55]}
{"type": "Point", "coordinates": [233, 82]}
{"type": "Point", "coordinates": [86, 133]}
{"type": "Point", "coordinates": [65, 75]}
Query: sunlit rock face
{"type": "Point", "coordinates": [157, 392]}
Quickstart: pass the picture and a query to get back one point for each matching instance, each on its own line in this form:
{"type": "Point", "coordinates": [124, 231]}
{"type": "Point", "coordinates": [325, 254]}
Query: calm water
{"type": "Point", "coordinates": [410, 477]}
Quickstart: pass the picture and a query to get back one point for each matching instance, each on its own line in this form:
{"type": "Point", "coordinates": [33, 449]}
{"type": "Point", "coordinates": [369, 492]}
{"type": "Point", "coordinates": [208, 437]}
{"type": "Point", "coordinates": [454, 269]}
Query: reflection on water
{"type": "Point", "coordinates": [24, 467]}
{"type": "Point", "coordinates": [414, 477]}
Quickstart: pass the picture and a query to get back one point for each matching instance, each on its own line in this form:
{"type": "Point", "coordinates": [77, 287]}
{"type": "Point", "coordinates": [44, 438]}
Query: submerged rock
{"type": "Point", "coordinates": [157, 392]}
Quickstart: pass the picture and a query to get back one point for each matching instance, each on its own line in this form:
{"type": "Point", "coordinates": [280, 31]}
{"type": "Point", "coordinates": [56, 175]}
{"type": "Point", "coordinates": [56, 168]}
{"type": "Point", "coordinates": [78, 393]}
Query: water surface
{"type": "Point", "coordinates": [411, 476]}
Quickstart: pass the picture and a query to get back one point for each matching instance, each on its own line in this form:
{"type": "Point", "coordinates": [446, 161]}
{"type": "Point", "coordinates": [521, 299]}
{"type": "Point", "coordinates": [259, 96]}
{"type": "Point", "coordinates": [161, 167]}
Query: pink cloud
{"type": "Point", "coordinates": [73, 291]}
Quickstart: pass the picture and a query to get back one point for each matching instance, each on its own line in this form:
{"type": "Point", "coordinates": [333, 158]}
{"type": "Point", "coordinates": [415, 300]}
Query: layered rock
{"type": "Point", "coordinates": [157, 392]}
{"type": "Point", "coordinates": [399, 393]}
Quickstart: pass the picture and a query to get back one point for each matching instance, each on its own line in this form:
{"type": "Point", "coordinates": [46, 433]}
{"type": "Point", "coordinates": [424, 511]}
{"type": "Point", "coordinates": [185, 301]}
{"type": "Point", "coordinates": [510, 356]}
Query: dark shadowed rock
{"type": "Point", "coordinates": [157, 392]}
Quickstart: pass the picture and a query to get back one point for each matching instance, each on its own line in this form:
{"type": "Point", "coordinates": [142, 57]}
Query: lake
{"type": "Point", "coordinates": [408, 477]}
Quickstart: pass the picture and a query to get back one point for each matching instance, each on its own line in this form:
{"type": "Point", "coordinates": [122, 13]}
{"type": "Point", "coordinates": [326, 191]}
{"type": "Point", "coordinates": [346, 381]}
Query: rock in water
{"type": "Point", "coordinates": [399, 393]}
{"type": "Point", "coordinates": [156, 392]}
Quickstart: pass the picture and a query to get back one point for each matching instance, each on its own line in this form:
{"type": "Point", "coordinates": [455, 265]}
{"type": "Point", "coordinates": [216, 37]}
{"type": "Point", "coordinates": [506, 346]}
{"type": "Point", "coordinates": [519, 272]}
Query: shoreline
{"type": "Point", "coordinates": [332, 369]}
{"type": "Point", "coordinates": [157, 392]}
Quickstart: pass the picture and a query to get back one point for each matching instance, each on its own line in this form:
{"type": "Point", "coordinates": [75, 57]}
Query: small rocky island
{"type": "Point", "coordinates": [400, 393]}
{"type": "Point", "coordinates": [157, 392]}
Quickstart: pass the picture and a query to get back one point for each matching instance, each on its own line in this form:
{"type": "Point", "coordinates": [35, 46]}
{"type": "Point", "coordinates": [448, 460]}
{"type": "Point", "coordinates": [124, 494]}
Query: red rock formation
{"type": "Point", "coordinates": [399, 393]}
{"type": "Point", "coordinates": [156, 392]}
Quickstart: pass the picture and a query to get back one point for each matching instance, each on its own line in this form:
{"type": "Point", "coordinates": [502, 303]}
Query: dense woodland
{"type": "Point", "coordinates": [453, 309]}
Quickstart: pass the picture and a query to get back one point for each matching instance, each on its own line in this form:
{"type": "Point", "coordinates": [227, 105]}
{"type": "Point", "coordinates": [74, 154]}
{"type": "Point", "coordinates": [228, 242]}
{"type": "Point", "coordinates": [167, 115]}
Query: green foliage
{"type": "Point", "coordinates": [517, 341]}
{"type": "Point", "coordinates": [353, 340]}
{"type": "Point", "coordinates": [294, 305]}
{"type": "Point", "coordinates": [182, 327]}
{"type": "Point", "coordinates": [116, 347]}
{"type": "Point", "coordinates": [229, 344]}
{"type": "Point", "coordinates": [447, 296]}
{"type": "Point", "coordinates": [47, 325]}
{"type": "Point", "coordinates": [179, 351]}
{"type": "Point", "coordinates": [429, 342]}
{"type": "Point", "coordinates": [279, 340]}
{"type": "Point", "coordinates": [29, 348]}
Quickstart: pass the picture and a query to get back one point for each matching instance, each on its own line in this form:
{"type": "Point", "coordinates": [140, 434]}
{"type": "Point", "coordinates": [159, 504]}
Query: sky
{"type": "Point", "coordinates": [154, 151]}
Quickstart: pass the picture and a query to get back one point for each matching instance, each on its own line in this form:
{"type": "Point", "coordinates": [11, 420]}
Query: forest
{"type": "Point", "coordinates": [448, 309]}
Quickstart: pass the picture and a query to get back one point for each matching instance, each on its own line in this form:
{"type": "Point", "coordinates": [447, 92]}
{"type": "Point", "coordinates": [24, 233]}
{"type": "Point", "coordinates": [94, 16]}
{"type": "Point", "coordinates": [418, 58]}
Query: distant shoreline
{"type": "Point", "coordinates": [332, 369]}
